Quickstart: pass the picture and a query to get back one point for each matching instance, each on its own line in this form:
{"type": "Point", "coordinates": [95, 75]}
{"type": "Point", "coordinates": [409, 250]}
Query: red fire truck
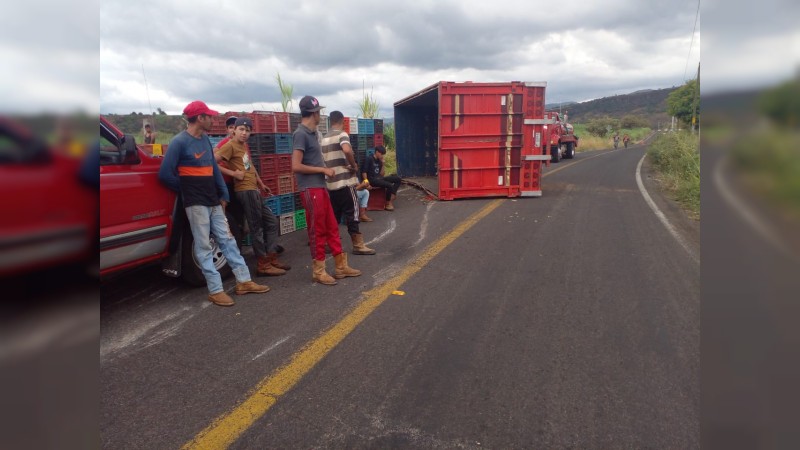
{"type": "Point", "coordinates": [561, 137]}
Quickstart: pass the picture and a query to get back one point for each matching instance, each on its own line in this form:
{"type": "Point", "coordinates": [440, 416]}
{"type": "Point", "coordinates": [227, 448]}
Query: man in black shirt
{"type": "Point", "coordinates": [374, 172]}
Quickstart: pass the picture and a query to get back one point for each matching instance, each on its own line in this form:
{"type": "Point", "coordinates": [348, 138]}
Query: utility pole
{"type": "Point", "coordinates": [695, 100]}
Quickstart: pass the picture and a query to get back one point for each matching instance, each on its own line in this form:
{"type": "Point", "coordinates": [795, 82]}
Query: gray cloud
{"type": "Point", "coordinates": [229, 54]}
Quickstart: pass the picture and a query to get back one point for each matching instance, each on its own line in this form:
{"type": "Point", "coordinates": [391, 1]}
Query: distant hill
{"type": "Point", "coordinates": [133, 123]}
{"type": "Point", "coordinates": [648, 103]}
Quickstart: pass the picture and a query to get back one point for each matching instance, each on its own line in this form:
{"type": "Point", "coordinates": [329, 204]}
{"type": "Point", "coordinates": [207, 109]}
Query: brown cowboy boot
{"type": "Point", "coordinates": [359, 248]}
{"type": "Point", "coordinates": [221, 299]}
{"type": "Point", "coordinates": [342, 269]}
{"type": "Point", "coordinates": [362, 215]}
{"type": "Point", "coordinates": [390, 203]}
{"type": "Point", "coordinates": [320, 275]}
{"type": "Point", "coordinates": [250, 287]}
{"type": "Point", "coordinates": [273, 259]}
{"type": "Point", "coordinates": [267, 269]}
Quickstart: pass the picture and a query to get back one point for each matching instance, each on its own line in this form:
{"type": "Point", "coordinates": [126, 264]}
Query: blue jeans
{"type": "Point", "coordinates": [363, 198]}
{"type": "Point", "coordinates": [208, 220]}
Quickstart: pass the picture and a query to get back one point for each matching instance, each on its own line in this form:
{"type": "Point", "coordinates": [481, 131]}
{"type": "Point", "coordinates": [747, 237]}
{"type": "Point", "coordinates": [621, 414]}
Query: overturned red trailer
{"type": "Point", "coordinates": [480, 139]}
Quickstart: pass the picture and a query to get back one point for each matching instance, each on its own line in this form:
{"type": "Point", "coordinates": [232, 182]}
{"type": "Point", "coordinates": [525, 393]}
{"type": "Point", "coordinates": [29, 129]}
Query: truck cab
{"type": "Point", "coordinates": [561, 137]}
{"type": "Point", "coordinates": [141, 221]}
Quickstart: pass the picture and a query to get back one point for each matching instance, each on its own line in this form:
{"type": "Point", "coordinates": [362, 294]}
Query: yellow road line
{"type": "Point", "coordinates": [228, 427]}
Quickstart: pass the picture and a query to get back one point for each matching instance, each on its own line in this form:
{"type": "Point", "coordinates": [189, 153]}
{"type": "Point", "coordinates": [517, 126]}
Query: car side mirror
{"type": "Point", "coordinates": [128, 151]}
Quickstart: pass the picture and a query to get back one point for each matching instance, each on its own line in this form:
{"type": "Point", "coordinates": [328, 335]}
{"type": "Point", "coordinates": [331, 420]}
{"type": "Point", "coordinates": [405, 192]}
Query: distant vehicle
{"type": "Point", "coordinates": [50, 214]}
{"type": "Point", "coordinates": [141, 221]}
{"type": "Point", "coordinates": [562, 139]}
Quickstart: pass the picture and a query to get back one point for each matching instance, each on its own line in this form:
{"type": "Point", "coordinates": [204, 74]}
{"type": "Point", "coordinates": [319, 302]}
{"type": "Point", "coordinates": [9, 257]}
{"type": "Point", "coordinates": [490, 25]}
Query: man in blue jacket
{"type": "Point", "coordinates": [189, 168]}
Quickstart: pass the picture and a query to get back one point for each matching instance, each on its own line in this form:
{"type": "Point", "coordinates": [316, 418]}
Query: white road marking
{"type": "Point", "coordinates": [382, 236]}
{"type": "Point", "coordinates": [751, 218]}
{"type": "Point", "coordinates": [423, 227]}
{"type": "Point", "coordinates": [660, 214]}
{"type": "Point", "coordinates": [271, 347]}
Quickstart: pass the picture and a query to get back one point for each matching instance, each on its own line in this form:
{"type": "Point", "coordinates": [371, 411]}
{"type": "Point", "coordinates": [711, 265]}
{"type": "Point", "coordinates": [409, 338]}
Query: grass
{"type": "Point", "coordinates": [677, 159]}
{"type": "Point", "coordinates": [390, 161]}
{"type": "Point", "coordinates": [589, 141]}
{"type": "Point", "coordinates": [770, 162]}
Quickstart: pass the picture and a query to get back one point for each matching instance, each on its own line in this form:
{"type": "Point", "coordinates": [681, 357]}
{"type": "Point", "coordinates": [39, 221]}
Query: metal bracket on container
{"type": "Point", "coordinates": [535, 83]}
{"type": "Point", "coordinates": [530, 193]}
{"type": "Point", "coordinates": [536, 157]}
{"type": "Point", "coordinates": [539, 121]}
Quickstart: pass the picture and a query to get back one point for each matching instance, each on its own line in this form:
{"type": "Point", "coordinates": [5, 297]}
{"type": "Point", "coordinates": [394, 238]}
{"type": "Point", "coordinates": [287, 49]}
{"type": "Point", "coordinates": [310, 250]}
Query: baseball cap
{"type": "Point", "coordinates": [196, 108]}
{"type": "Point", "coordinates": [244, 121]}
{"type": "Point", "coordinates": [230, 121]}
{"type": "Point", "coordinates": [309, 104]}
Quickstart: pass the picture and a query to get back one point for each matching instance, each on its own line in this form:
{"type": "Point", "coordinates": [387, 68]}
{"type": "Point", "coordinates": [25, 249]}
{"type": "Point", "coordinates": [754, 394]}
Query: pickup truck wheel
{"type": "Point", "coordinates": [555, 153]}
{"type": "Point", "coordinates": [570, 153]}
{"type": "Point", "coordinates": [191, 271]}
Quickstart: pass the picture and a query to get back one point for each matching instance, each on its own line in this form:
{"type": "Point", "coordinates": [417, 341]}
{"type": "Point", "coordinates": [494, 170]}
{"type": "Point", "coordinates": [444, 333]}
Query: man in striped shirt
{"type": "Point", "coordinates": [189, 169]}
{"type": "Point", "coordinates": [338, 155]}
{"type": "Point", "coordinates": [310, 170]}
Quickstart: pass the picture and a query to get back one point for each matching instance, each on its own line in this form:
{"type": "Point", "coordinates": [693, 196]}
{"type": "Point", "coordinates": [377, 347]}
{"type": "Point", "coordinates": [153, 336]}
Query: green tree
{"type": "Point", "coordinates": [601, 126]}
{"type": "Point", "coordinates": [388, 136]}
{"type": "Point", "coordinates": [782, 103]}
{"type": "Point", "coordinates": [286, 93]}
{"type": "Point", "coordinates": [631, 121]}
{"type": "Point", "coordinates": [680, 101]}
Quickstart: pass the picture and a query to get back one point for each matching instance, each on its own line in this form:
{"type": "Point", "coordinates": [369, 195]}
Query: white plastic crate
{"type": "Point", "coordinates": [287, 223]}
{"type": "Point", "coordinates": [353, 125]}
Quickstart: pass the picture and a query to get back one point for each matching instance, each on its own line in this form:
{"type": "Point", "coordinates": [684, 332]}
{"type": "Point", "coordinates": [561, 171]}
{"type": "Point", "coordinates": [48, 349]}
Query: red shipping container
{"type": "Point", "coordinates": [481, 139]}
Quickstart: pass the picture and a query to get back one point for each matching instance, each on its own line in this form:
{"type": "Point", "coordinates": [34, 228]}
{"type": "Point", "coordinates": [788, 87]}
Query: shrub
{"type": "Point", "coordinates": [676, 157]}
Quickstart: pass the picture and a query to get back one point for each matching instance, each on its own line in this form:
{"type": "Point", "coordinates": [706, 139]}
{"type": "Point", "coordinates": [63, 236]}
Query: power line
{"type": "Point", "coordinates": [696, 15]}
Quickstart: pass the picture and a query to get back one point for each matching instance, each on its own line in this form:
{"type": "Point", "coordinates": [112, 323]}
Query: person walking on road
{"type": "Point", "coordinates": [374, 172]}
{"type": "Point", "coordinates": [626, 139]}
{"type": "Point", "coordinates": [310, 171]}
{"type": "Point", "coordinates": [248, 187]}
{"type": "Point", "coordinates": [338, 155]}
{"type": "Point", "coordinates": [616, 140]}
{"type": "Point", "coordinates": [189, 169]}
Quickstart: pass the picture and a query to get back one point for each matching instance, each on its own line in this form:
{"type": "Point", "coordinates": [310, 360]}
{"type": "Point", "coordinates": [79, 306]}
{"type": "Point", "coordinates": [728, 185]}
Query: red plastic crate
{"type": "Point", "coordinates": [282, 123]}
{"type": "Point", "coordinates": [218, 125]}
{"type": "Point", "coordinates": [263, 122]}
{"type": "Point", "coordinates": [271, 183]}
{"type": "Point", "coordinates": [283, 164]}
{"type": "Point", "coordinates": [267, 166]}
{"type": "Point", "coordinates": [346, 126]}
{"type": "Point", "coordinates": [377, 199]}
{"type": "Point", "coordinates": [378, 139]}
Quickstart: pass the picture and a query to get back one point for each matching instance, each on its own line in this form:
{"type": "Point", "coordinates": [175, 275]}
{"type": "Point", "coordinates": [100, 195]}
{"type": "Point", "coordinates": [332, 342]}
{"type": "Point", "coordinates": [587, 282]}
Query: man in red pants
{"type": "Point", "coordinates": [309, 168]}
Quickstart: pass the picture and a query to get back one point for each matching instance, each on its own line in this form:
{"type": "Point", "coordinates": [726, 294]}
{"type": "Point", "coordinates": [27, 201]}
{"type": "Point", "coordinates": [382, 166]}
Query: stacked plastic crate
{"type": "Point", "coordinates": [270, 145]}
{"type": "Point", "coordinates": [368, 134]}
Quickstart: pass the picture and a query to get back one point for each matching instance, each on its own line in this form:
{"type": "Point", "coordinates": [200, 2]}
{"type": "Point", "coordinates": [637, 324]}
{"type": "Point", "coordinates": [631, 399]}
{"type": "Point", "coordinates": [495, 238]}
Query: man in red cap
{"type": "Point", "coordinates": [189, 169]}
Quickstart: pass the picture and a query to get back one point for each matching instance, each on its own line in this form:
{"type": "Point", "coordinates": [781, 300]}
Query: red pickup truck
{"type": "Point", "coordinates": [49, 216]}
{"type": "Point", "coordinates": [141, 221]}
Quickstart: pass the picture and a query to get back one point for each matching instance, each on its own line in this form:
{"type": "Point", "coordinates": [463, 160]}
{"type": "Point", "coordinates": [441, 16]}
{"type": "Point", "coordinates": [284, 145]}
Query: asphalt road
{"type": "Point", "coordinates": [570, 320]}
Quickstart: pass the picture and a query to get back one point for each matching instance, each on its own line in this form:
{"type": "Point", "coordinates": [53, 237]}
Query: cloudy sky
{"type": "Point", "coordinates": [228, 53]}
